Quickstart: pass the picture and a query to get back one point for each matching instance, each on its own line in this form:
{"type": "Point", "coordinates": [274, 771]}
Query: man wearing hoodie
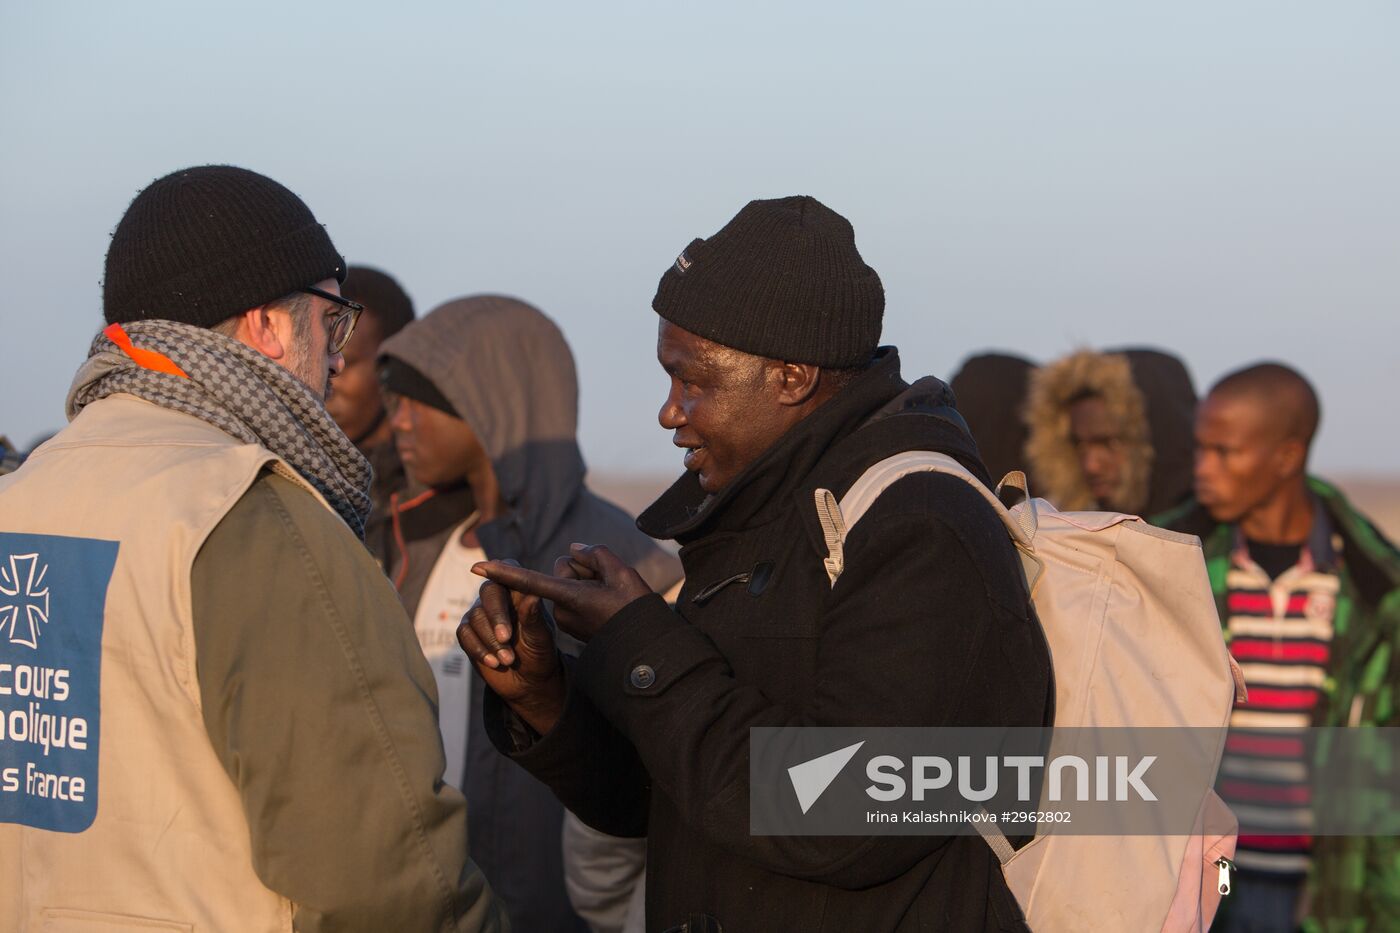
{"type": "Point", "coordinates": [769, 331]}
{"type": "Point", "coordinates": [1112, 431]}
{"type": "Point", "coordinates": [483, 402]}
{"type": "Point", "coordinates": [1309, 594]}
{"type": "Point", "coordinates": [248, 739]}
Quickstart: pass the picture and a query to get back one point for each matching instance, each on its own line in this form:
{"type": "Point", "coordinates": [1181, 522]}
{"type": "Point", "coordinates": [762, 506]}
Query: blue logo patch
{"type": "Point", "coordinates": [53, 591]}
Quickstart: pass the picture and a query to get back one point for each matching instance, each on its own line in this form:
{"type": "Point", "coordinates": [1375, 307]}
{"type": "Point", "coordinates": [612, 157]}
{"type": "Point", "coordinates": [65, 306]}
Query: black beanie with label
{"type": "Point", "coordinates": [398, 377]}
{"type": "Point", "coordinates": [783, 280]}
{"type": "Point", "coordinates": [203, 244]}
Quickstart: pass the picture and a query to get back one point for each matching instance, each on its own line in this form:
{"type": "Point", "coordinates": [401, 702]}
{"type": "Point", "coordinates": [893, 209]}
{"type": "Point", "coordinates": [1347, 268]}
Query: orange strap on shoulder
{"type": "Point", "coordinates": [146, 359]}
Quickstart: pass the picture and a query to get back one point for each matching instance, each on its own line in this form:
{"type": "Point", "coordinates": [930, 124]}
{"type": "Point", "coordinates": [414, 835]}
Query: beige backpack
{"type": "Point", "coordinates": [1135, 641]}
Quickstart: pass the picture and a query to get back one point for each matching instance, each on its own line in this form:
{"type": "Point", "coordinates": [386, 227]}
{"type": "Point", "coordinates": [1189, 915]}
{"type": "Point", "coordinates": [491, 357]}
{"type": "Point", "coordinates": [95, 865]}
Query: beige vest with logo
{"type": "Point", "coordinates": [169, 846]}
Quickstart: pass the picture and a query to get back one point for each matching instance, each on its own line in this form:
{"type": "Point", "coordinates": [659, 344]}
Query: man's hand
{"type": "Point", "coordinates": [513, 649]}
{"type": "Point", "coordinates": [589, 587]}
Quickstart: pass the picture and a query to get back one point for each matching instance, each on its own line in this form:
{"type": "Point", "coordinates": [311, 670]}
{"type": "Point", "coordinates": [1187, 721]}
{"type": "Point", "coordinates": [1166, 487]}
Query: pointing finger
{"type": "Point", "coordinates": [566, 592]}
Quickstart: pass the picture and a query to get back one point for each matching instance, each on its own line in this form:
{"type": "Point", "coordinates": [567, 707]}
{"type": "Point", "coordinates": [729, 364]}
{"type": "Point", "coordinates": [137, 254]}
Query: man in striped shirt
{"type": "Point", "coordinates": [1280, 599]}
{"type": "Point", "coordinates": [1300, 578]}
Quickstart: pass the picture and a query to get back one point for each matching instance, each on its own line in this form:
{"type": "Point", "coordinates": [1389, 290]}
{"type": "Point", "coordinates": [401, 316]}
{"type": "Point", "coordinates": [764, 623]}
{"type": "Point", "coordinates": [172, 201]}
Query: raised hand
{"type": "Point", "coordinates": [590, 586]}
{"type": "Point", "coordinates": [506, 638]}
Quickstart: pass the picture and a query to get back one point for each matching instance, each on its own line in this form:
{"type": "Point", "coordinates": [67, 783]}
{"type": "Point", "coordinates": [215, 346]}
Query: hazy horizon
{"type": "Point", "coordinates": [1215, 181]}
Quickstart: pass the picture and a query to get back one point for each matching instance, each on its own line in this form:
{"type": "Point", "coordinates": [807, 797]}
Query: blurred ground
{"type": "Point", "coordinates": [1378, 497]}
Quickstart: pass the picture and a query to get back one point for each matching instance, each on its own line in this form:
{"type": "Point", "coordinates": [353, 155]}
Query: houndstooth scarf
{"type": "Point", "coordinates": [240, 392]}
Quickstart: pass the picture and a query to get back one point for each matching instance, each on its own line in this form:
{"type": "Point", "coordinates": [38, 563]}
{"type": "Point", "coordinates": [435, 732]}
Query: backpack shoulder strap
{"type": "Point", "coordinates": [838, 518]}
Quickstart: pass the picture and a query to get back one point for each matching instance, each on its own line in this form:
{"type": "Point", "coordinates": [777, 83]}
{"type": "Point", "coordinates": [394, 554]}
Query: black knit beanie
{"type": "Point", "coordinates": [203, 244]}
{"type": "Point", "coordinates": [402, 379]}
{"type": "Point", "coordinates": [383, 297]}
{"type": "Point", "coordinates": [783, 280]}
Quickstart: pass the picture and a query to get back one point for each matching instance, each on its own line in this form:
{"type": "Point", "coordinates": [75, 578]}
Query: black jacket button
{"type": "Point", "coordinates": [643, 676]}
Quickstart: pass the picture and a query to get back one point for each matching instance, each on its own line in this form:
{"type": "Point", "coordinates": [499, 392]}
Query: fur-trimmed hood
{"type": "Point", "coordinates": [1149, 393]}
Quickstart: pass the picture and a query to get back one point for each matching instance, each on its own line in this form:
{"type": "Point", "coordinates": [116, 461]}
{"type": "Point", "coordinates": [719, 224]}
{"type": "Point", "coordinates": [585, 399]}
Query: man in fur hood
{"type": "Point", "coordinates": [1112, 430]}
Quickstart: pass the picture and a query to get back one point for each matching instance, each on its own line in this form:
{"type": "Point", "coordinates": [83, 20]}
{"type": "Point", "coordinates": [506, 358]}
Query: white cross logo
{"type": "Point", "coordinates": [31, 606]}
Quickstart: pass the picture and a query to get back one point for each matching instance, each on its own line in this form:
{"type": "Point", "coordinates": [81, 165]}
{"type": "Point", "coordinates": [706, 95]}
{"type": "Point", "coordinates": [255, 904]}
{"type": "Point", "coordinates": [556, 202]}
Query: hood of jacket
{"type": "Point", "coordinates": [518, 392]}
{"type": "Point", "coordinates": [991, 396]}
{"type": "Point", "coordinates": [1146, 391]}
{"type": "Point", "coordinates": [509, 373]}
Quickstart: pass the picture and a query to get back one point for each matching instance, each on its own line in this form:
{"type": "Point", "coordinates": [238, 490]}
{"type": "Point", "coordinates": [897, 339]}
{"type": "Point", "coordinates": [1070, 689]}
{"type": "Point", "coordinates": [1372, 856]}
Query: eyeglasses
{"type": "Point", "coordinates": [343, 322]}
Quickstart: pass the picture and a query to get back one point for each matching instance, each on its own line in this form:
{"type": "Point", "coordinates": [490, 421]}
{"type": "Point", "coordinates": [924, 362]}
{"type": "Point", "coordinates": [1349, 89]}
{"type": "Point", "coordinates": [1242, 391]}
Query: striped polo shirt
{"type": "Point", "coordinates": [1280, 632]}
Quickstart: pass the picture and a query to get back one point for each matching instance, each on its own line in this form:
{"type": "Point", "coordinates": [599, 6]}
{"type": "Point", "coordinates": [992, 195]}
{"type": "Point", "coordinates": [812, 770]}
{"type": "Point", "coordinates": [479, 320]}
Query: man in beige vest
{"type": "Point", "coordinates": [213, 712]}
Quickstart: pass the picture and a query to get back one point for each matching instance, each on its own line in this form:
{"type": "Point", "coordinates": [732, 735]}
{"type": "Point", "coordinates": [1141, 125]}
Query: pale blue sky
{"type": "Point", "coordinates": [1218, 179]}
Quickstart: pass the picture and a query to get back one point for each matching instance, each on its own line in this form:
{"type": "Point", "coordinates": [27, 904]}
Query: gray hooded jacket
{"type": "Point", "coordinates": [508, 372]}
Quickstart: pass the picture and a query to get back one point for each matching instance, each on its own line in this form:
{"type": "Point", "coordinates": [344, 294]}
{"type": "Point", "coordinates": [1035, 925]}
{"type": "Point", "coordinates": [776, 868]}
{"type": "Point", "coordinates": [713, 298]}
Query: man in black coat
{"type": "Point", "coordinates": [769, 332]}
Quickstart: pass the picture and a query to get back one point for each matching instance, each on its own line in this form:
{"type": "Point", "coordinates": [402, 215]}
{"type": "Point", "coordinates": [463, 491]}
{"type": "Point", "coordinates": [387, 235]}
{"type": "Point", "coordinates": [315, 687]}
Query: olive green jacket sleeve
{"type": "Point", "coordinates": [324, 713]}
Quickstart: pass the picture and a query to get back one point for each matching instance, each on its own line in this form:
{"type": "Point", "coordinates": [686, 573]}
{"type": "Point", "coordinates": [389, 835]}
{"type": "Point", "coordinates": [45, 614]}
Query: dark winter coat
{"type": "Point", "coordinates": [928, 625]}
